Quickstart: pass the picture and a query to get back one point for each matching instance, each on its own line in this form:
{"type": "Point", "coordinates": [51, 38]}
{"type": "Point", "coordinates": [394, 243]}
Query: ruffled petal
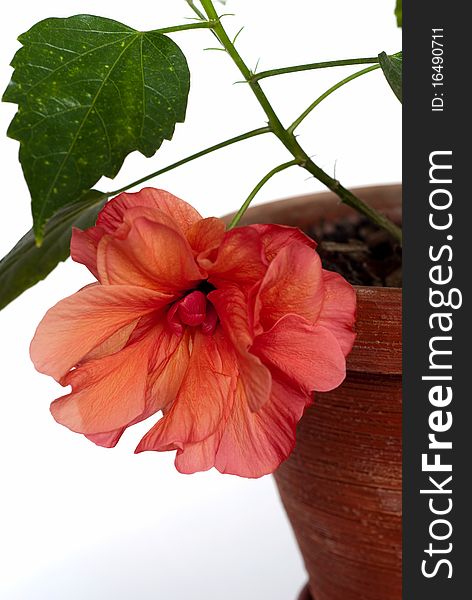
{"type": "Point", "coordinates": [83, 247]}
{"type": "Point", "coordinates": [206, 235]}
{"type": "Point", "coordinates": [338, 312]}
{"type": "Point", "coordinates": [108, 393]}
{"type": "Point", "coordinates": [167, 366]}
{"type": "Point", "coordinates": [202, 402]}
{"type": "Point", "coordinates": [107, 440]}
{"type": "Point", "coordinates": [146, 212]}
{"type": "Point", "coordinates": [240, 260]}
{"type": "Point", "coordinates": [306, 355]}
{"type": "Point", "coordinates": [255, 378]}
{"type": "Point", "coordinates": [116, 342]}
{"type": "Point", "coordinates": [78, 324]}
{"type": "Point", "coordinates": [276, 237]}
{"type": "Point", "coordinates": [152, 255]}
{"type": "Point", "coordinates": [293, 284]}
{"type": "Point", "coordinates": [199, 456]}
{"type": "Point", "coordinates": [232, 309]}
{"type": "Point", "coordinates": [250, 444]}
{"type": "Point", "coordinates": [254, 444]}
{"type": "Point", "coordinates": [112, 215]}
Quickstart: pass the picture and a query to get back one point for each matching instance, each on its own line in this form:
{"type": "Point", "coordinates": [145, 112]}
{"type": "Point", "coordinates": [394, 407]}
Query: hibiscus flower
{"type": "Point", "coordinates": [228, 333]}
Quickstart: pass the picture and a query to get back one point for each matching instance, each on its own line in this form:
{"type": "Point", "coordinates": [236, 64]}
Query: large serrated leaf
{"type": "Point", "coordinates": [26, 263]}
{"type": "Point", "coordinates": [90, 91]}
{"type": "Point", "coordinates": [392, 69]}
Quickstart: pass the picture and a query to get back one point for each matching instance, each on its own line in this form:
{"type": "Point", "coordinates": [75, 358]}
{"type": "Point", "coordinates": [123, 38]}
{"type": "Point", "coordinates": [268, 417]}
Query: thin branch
{"type": "Point", "coordinates": [317, 65]}
{"type": "Point", "coordinates": [235, 220]}
{"type": "Point", "coordinates": [196, 10]}
{"type": "Point", "coordinates": [323, 96]}
{"type": "Point", "coordinates": [238, 34]}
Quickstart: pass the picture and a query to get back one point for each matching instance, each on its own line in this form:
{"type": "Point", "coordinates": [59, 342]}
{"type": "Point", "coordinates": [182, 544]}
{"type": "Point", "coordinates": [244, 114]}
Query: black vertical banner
{"type": "Point", "coordinates": [437, 533]}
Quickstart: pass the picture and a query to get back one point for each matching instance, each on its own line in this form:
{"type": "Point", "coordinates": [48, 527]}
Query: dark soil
{"type": "Point", "coordinates": [359, 251]}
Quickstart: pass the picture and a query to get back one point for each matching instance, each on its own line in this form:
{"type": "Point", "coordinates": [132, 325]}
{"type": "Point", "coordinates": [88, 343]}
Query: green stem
{"type": "Point", "coordinates": [185, 27]}
{"type": "Point", "coordinates": [354, 202]}
{"type": "Point", "coordinates": [197, 11]}
{"type": "Point", "coordinates": [317, 65]}
{"type": "Point", "coordinates": [332, 89]}
{"type": "Point", "coordinates": [287, 138]}
{"type": "Point", "coordinates": [228, 45]}
{"type": "Point", "coordinates": [235, 220]}
{"type": "Point", "coordinates": [183, 161]}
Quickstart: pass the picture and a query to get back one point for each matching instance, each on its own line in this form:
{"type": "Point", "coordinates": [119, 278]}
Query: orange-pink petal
{"type": "Point", "coordinates": [113, 213]}
{"type": "Point", "coordinates": [255, 378]}
{"type": "Point", "coordinates": [107, 393]}
{"type": "Point", "coordinates": [108, 439]}
{"type": "Point", "coordinates": [305, 355]}
{"type": "Point", "coordinates": [206, 234]}
{"type": "Point", "coordinates": [151, 214]}
{"type": "Point", "coordinates": [170, 361]}
{"type": "Point", "coordinates": [240, 260]}
{"type": "Point", "coordinates": [254, 444]}
{"type": "Point", "coordinates": [276, 237]}
{"type": "Point", "coordinates": [293, 284]}
{"type": "Point", "coordinates": [338, 312]}
{"type": "Point", "coordinates": [250, 444]}
{"type": "Point", "coordinates": [83, 247]}
{"type": "Point", "coordinates": [167, 366]}
{"type": "Point", "coordinates": [152, 256]}
{"type": "Point", "coordinates": [233, 311]}
{"type": "Point", "coordinates": [116, 342]}
{"type": "Point", "coordinates": [202, 402]}
{"type": "Point", "coordinates": [80, 323]}
{"type": "Point", "coordinates": [199, 456]}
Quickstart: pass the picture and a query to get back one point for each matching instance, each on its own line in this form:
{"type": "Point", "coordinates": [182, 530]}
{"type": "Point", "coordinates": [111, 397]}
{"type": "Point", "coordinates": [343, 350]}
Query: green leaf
{"type": "Point", "coordinates": [26, 263]}
{"type": "Point", "coordinates": [90, 91]}
{"type": "Point", "coordinates": [398, 13]}
{"type": "Point", "coordinates": [392, 69]}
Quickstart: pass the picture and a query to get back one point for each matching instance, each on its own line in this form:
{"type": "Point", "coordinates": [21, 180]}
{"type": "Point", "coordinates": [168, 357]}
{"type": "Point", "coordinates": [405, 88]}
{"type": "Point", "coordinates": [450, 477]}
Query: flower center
{"type": "Point", "coordinates": [193, 310]}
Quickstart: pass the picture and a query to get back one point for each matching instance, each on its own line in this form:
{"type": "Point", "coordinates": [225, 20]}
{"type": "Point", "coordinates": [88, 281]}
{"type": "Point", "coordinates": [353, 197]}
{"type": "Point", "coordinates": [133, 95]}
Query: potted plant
{"type": "Point", "coordinates": [226, 331]}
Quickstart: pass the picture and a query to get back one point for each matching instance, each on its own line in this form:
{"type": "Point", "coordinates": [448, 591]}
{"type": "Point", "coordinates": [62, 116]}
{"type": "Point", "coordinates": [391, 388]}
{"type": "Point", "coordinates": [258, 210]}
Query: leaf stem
{"type": "Point", "coordinates": [235, 220]}
{"type": "Point", "coordinates": [328, 92]}
{"type": "Point", "coordinates": [183, 161]}
{"type": "Point", "coordinates": [317, 65]}
{"type": "Point", "coordinates": [287, 137]}
{"type": "Point", "coordinates": [199, 25]}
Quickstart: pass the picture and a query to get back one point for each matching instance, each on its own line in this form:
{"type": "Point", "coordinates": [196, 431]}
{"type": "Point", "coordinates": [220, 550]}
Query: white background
{"type": "Point", "coordinates": [81, 522]}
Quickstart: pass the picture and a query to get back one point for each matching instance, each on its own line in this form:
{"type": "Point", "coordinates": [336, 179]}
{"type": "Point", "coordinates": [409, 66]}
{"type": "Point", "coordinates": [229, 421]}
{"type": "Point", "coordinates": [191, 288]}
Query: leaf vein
{"type": "Point", "coordinates": [69, 62]}
{"type": "Point", "coordinates": [74, 141]}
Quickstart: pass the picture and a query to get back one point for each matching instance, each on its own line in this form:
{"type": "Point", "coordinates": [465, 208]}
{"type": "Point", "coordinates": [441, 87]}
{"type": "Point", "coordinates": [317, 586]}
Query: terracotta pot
{"type": "Point", "coordinates": [342, 485]}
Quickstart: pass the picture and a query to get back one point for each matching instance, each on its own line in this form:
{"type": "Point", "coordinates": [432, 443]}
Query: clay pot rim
{"type": "Point", "coordinates": [363, 289]}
